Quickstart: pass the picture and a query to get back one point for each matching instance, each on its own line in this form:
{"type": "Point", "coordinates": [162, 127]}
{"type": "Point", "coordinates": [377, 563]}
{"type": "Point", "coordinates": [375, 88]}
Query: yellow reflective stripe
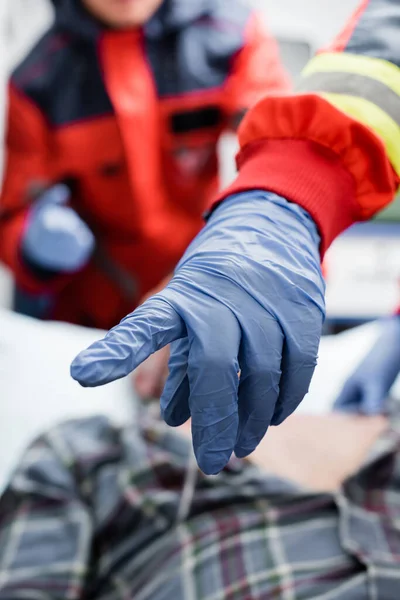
{"type": "Point", "coordinates": [370, 114]}
{"type": "Point", "coordinates": [353, 84]}
{"type": "Point", "coordinates": [370, 111]}
{"type": "Point", "coordinates": [382, 70]}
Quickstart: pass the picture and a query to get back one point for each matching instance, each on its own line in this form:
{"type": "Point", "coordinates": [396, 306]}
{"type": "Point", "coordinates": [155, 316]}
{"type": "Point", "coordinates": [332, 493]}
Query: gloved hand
{"type": "Point", "coordinates": [367, 388]}
{"type": "Point", "coordinates": [56, 238]}
{"type": "Point", "coordinates": [244, 311]}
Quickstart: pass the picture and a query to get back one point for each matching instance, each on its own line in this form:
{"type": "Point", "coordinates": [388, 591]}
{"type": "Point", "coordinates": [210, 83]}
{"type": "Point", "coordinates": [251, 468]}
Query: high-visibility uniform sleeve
{"type": "Point", "coordinates": [257, 70]}
{"type": "Point", "coordinates": [26, 167]}
{"type": "Point", "coordinates": [334, 146]}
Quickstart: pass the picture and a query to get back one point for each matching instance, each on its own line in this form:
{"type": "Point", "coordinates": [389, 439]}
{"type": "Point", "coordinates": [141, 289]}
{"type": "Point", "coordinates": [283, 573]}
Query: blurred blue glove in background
{"type": "Point", "coordinates": [367, 388]}
{"type": "Point", "coordinates": [245, 311]}
{"type": "Point", "coordinates": [56, 238]}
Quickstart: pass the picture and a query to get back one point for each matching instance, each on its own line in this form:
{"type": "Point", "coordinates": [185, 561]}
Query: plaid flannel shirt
{"type": "Point", "coordinates": [93, 512]}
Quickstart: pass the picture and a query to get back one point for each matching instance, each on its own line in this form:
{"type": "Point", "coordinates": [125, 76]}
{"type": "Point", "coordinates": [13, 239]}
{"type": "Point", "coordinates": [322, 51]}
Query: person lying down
{"type": "Point", "coordinates": [98, 511]}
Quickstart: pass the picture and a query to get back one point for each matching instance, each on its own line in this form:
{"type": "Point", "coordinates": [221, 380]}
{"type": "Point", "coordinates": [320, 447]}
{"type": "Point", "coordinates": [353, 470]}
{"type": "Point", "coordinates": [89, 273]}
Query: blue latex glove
{"type": "Point", "coordinates": [367, 388]}
{"type": "Point", "coordinates": [56, 238]}
{"type": "Point", "coordinates": [247, 296]}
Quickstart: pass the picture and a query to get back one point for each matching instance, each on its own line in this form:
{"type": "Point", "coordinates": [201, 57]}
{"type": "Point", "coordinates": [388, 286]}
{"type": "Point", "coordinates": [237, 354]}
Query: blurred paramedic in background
{"type": "Point", "coordinates": [113, 124]}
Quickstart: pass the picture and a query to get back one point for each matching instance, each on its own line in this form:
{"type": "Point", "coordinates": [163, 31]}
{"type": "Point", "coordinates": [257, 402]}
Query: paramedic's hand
{"type": "Point", "coordinates": [368, 387]}
{"type": "Point", "coordinates": [55, 237]}
{"type": "Point", "coordinates": [244, 312]}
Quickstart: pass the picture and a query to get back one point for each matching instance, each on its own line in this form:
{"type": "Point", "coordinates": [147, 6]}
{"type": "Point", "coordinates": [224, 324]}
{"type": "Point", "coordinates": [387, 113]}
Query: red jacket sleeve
{"type": "Point", "coordinates": [334, 146]}
{"type": "Point", "coordinates": [27, 166]}
{"type": "Point", "coordinates": [257, 70]}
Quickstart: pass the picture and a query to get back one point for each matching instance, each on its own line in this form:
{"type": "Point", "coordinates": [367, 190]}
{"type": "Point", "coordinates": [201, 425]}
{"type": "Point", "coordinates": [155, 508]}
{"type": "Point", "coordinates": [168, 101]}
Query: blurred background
{"type": "Point", "coordinates": [362, 268]}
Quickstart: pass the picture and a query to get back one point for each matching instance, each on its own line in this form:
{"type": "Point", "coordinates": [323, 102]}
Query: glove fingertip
{"type": "Point", "coordinates": [85, 370]}
{"type": "Point", "coordinates": [243, 452]}
{"type": "Point", "coordinates": [174, 417]}
{"type": "Point", "coordinates": [79, 374]}
{"type": "Point", "coordinates": [212, 463]}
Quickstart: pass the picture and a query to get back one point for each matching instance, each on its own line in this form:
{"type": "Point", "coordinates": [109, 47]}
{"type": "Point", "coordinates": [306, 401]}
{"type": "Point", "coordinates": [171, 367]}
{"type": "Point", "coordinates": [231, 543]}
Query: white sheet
{"type": "Point", "coordinates": [36, 390]}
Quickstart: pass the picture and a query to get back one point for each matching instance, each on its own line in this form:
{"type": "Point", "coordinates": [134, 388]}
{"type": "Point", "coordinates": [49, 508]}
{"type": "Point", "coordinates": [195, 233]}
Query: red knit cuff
{"type": "Point", "coordinates": [303, 172]}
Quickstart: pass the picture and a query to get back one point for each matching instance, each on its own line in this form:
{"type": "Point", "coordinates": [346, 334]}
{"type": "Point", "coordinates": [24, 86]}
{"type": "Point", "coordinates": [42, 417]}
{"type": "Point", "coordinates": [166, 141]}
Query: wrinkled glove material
{"type": "Point", "coordinates": [243, 312]}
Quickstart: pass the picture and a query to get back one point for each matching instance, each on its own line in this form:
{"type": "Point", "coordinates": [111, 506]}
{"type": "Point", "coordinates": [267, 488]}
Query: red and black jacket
{"type": "Point", "coordinates": [131, 120]}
